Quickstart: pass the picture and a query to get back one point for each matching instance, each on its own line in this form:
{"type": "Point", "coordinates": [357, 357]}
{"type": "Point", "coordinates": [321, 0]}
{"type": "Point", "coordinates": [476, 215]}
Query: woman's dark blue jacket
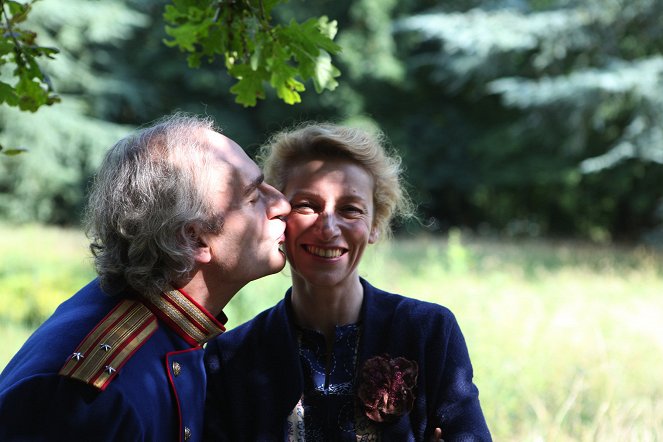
{"type": "Point", "coordinates": [255, 378]}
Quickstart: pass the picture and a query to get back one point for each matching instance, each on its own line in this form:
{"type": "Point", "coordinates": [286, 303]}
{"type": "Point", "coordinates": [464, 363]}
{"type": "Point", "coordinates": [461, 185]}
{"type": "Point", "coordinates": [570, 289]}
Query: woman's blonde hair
{"type": "Point", "coordinates": [331, 141]}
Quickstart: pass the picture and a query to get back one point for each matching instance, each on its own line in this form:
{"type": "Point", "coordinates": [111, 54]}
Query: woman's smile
{"type": "Point", "coordinates": [324, 252]}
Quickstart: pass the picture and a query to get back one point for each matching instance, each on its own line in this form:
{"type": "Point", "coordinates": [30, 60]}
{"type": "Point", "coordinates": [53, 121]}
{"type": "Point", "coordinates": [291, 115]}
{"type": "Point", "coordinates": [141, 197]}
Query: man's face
{"type": "Point", "coordinates": [247, 247]}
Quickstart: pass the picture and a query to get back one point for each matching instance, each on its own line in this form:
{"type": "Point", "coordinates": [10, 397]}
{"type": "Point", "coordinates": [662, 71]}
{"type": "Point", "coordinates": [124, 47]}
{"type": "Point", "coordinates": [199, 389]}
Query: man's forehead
{"type": "Point", "coordinates": [228, 151]}
{"type": "Point", "coordinates": [225, 148]}
{"type": "Point", "coordinates": [237, 169]}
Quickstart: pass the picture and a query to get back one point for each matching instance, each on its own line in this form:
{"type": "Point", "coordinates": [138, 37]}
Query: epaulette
{"type": "Point", "coordinates": [98, 359]}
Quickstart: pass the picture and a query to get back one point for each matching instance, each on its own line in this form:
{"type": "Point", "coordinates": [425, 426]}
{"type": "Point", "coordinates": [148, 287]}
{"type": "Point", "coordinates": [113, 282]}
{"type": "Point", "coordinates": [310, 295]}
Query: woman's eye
{"type": "Point", "coordinates": [354, 209]}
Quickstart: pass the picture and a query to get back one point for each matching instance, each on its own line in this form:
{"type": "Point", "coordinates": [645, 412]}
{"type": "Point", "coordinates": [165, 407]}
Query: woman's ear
{"type": "Point", "coordinates": [374, 235]}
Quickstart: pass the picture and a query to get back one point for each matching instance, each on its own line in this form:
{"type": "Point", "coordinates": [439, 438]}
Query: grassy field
{"type": "Point", "coordinates": [566, 339]}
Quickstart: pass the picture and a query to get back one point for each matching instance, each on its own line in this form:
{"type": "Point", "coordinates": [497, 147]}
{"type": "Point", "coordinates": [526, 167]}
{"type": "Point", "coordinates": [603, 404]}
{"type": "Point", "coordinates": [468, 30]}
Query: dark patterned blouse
{"type": "Point", "coordinates": [326, 411]}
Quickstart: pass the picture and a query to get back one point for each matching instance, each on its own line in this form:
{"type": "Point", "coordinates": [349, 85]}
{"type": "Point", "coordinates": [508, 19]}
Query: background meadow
{"type": "Point", "coordinates": [566, 338]}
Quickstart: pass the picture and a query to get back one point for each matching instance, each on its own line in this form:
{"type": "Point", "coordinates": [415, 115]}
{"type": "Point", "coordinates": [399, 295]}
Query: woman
{"type": "Point", "coordinates": [338, 359]}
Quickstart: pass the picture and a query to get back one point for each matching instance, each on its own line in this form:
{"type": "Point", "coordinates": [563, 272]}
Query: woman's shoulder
{"type": "Point", "coordinates": [406, 306]}
{"type": "Point", "coordinates": [403, 321]}
{"type": "Point", "coordinates": [409, 302]}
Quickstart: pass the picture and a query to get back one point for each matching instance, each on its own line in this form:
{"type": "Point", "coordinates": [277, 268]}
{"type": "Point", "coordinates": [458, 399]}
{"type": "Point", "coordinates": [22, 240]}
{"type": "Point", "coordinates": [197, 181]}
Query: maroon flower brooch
{"type": "Point", "coordinates": [386, 387]}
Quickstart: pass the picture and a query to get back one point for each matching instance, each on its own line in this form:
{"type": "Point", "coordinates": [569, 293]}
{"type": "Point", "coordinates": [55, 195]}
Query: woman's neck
{"type": "Point", "coordinates": [323, 308]}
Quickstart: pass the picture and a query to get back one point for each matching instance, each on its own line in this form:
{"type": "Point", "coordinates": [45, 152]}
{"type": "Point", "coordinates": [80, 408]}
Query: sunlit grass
{"type": "Point", "coordinates": [39, 268]}
{"type": "Point", "coordinates": [566, 339]}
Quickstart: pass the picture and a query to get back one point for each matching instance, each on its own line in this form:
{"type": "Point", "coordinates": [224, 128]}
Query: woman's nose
{"type": "Point", "coordinates": [328, 225]}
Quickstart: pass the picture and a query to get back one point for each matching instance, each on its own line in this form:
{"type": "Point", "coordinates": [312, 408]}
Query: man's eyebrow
{"type": "Point", "coordinates": [254, 184]}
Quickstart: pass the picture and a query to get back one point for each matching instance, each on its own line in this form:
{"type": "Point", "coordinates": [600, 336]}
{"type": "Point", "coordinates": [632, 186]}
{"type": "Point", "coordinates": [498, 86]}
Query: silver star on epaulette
{"type": "Point", "coordinates": [105, 347]}
{"type": "Point", "coordinates": [78, 356]}
{"type": "Point", "coordinates": [108, 369]}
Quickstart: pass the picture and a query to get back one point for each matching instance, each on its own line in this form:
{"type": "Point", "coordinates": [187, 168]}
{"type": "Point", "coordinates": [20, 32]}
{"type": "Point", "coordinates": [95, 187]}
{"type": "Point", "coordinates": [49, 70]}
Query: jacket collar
{"type": "Point", "coordinates": [186, 317]}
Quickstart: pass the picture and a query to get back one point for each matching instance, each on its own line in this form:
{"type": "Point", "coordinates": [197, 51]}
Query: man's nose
{"type": "Point", "coordinates": [278, 206]}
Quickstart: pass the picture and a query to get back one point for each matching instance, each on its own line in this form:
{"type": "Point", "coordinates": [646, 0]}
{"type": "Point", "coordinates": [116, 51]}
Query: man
{"type": "Point", "coordinates": [180, 219]}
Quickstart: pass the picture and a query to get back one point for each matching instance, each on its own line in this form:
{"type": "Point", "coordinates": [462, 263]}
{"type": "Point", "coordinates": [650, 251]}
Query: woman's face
{"type": "Point", "coordinates": [331, 220]}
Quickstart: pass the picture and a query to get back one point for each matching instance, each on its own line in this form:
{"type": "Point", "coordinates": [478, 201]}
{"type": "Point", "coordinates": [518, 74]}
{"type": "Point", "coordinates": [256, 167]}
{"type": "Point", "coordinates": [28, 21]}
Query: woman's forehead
{"type": "Point", "coordinates": [322, 176]}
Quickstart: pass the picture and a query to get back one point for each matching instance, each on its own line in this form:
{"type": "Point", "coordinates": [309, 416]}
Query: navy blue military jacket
{"type": "Point", "coordinates": [255, 377]}
{"type": "Point", "coordinates": [106, 368]}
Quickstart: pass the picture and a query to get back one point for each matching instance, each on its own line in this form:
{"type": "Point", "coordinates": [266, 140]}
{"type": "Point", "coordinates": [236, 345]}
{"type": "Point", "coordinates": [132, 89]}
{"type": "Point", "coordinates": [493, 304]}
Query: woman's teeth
{"type": "Point", "coordinates": [324, 253]}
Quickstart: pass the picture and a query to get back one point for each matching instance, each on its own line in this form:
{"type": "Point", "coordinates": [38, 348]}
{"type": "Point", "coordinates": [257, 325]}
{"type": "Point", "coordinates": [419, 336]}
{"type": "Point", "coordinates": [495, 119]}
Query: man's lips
{"type": "Point", "coordinates": [280, 239]}
{"type": "Point", "coordinates": [281, 243]}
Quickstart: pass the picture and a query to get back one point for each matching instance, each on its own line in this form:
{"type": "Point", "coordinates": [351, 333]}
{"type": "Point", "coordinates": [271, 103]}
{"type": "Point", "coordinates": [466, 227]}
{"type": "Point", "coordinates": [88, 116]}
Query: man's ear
{"type": "Point", "coordinates": [374, 235]}
{"type": "Point", "coordinates": [203, 252]}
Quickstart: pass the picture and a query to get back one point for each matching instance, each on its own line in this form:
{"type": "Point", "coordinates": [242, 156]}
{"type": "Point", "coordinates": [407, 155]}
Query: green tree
{"type": "Point", "coordinates": [18, 48]}
{"type": "Point", "coordinates": [66, 141]}
{"type": "Point", "coordinates": [113, 72]}
{"type": "Point", "coordinates": [507, 114]}
{"type": "Point", "coordinates": [547, 112]}
{"type": "Point", "coordinates": [255, 50]}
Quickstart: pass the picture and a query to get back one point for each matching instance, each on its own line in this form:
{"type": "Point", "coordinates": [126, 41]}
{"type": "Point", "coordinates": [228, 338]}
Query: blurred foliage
{"type": "Point", "coordinates": [65, 142]}
{"type": "Point", "coordinates": [50, 182]}
{"type": "Point", "coordinates": [519, 117]}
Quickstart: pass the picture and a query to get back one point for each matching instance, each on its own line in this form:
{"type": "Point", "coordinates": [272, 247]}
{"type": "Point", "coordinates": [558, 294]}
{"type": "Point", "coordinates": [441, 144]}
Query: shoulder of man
{"type": "Point", "coordinates": [110, 344]}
